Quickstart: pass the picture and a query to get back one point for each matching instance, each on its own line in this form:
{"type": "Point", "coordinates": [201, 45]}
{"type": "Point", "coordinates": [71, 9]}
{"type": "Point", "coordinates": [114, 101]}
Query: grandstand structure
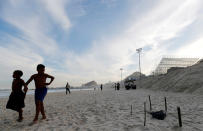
{"type": "Point", "coordinates": [168, 62]}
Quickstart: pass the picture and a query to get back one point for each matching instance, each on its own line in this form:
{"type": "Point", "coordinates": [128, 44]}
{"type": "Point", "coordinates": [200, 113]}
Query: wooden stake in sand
{"type": "Point", "coordinates": [179, 117]}
{"type": "Point", "coordinates": [95, 98]}
{"type": "Point", "coordinates": [145, 113]}
{"type": "Point", "coordinates": [165, 105]}
{"type": "Point", "coordinates": [150, 103]}
{"type": "Point", "coordinates": [131, 109]}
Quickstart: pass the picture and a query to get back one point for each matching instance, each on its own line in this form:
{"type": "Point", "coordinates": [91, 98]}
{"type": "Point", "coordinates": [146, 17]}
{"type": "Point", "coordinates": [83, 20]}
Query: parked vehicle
{"type": "Point", "coordinates": [130, 83]}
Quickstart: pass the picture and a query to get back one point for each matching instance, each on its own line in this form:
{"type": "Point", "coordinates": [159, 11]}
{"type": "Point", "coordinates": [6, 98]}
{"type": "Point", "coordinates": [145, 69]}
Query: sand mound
{"type": "Point", "coordinates": [189, 80]}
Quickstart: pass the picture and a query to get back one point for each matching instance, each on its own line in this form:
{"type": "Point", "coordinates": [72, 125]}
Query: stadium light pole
{"type": "Point", "coordinates": [121, 69]}
{"type": "Point", "coordinates": [139, 50]}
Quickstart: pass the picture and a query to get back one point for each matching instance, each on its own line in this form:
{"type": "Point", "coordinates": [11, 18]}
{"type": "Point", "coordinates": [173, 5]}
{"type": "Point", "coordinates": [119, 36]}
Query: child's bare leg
{"type": "Point", "coordinates": [42, 110]}
{"type": "Point", "coordinates": [20, 118]}
{"type": "Point", "coordinates": [38, 108]}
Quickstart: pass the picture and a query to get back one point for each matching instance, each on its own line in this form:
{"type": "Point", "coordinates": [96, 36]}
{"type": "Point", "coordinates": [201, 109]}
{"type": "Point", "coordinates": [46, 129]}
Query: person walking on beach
{"type": "Point", "coordinates": [41, 90]}
{"type": "Point", "coordinates": [118, 86]}
{"type": "Point", "coordinates": [16, 99]}
{"type": "Point", "coordinates": [101, 87]}
{"type": "Point", "coordinates": [67, 88]}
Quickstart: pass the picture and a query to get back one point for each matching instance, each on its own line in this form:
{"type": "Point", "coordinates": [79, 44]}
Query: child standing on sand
{"type": "Point", "coordinates": [16, 99]}
{"type": "Point", "coordinates": [41, 90]}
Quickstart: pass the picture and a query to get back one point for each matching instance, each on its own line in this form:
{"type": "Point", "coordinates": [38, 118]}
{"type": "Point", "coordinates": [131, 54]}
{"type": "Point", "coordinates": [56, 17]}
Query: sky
{"type": "Point", "coordinates": [83, 40]}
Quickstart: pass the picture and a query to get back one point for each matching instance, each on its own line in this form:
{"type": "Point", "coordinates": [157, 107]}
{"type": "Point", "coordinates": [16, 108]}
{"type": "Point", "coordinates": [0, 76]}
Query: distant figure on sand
{"type": "Point", "coordinates": [67, 88]}
{"type": "Point", "coordinates": [101, 87]}
{"type": "Point", "coordinates": [118, 86]}
{"type": "Point", "coordinates": [41, 89]}
{"type": "Point", "coordinates": [16, 99]}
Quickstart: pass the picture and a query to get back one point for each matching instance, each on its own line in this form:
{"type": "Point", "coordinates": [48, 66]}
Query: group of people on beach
{"type": "Point", "coordinates": [117, 86]}
{"type": "Point", "coordinates": [17, 96]}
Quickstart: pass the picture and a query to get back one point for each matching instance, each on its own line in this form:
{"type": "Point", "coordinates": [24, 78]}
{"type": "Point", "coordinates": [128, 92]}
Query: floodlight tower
{"type": "Point", "coordinates": [139, 50]}
{"type": "Point", "coordinates": [121, 69]}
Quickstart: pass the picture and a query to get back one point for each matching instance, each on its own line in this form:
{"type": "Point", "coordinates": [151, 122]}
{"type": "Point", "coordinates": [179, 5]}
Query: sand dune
{"type": "Point", "coordinates": [189, 80]}
{"type": "Point", "coordinates": [107, 111]}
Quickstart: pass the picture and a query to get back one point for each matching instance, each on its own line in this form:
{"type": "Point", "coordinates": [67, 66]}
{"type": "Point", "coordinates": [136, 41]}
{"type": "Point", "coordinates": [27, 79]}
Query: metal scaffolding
{"type": "Point", "coordinates": [168, 62]}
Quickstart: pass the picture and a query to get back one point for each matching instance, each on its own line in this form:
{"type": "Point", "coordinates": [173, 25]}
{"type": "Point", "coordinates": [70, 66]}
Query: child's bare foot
{"type": "Point", "coordinates": [35, 120]}
{"type": "Point", "coordinates": [44, 117]}
{"type": "Point", "coordinates": [20, 119]}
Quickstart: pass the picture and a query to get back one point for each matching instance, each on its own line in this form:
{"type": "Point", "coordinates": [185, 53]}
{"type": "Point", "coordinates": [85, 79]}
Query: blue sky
{"type": "Point", "coordinates": [84, 40]}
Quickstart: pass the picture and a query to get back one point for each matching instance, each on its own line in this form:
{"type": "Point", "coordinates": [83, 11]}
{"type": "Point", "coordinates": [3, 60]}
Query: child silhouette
{"type": "Point", "coordinates": [17, 96]}
{"type": "Point", "coordinates": [41, 90]}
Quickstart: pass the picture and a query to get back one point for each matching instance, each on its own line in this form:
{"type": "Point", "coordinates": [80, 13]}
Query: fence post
{"type": "Point", "coordinates": [131, 109]}
{"type": "Point", "coordinates": [179, 117]}
{"type": "Point", "coordinates": [165, 105]}
{"type": "Point", "coordinates": [150, 103]}
{"type": "Point", "coordinates": [144, 113]}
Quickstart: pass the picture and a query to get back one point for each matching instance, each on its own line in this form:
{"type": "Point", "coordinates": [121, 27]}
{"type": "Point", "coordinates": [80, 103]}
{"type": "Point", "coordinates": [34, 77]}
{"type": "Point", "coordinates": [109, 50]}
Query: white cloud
{"type": "Point", "coordinates": [193, 49]}
{"type": "Point", "coordinates": [155, 28]}
{"type": "Point", "coordinates": [102, 62]}
{"type": "Point", "coordinates": [56, 9]}
{"type": "Point", "coordinates": [17, 58]}
{"type": "Point", "coordinates": [109, 3]}
{"type": "Point", "coordinates": [32, 26]}
{"type": "Point", "coordinates": [165, 20]}
{"type": "Point", "coordinates": [31, 46]}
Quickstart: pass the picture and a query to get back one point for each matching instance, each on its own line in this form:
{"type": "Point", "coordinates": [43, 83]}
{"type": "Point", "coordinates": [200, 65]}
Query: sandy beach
{"type": "Point", "coordinates": [108, 110]}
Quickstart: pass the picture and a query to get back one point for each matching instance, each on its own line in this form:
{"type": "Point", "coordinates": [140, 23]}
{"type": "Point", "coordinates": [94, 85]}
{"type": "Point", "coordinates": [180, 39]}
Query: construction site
{"type": "Point", "coordinates": [176, 75]}
{"type": "Point", "coordinates": [167, 63]}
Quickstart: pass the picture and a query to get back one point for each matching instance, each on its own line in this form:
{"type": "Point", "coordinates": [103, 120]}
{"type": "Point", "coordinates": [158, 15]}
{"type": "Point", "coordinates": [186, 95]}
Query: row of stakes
{"type": "Point", "coordinates": [145, 111]}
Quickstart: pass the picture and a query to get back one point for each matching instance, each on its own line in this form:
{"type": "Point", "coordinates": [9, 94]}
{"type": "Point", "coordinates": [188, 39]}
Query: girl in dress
{"type": "Point", "coordinates": [17, 96]}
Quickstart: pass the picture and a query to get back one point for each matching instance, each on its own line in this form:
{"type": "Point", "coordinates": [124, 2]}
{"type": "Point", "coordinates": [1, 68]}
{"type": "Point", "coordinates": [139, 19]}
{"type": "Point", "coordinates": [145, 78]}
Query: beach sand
{"type": "Point", "coordinates": [107, 110]}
